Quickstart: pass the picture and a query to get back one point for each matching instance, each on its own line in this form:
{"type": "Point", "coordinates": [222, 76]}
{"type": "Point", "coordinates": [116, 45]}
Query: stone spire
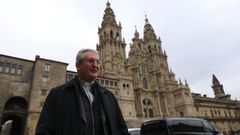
{"type": "Point", "coordinates": [148, 30]}
{"type": "Point", "coordinates": [136, 34]}
{"type": "Point", "coordinates": [217, 87]}
{"type": "Point", "coordinates": [108, 17]}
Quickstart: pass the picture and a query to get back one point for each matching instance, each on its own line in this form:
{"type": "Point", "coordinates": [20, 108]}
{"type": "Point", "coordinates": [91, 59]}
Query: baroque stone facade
{"type": "Point", "coordinates": [143, 83]}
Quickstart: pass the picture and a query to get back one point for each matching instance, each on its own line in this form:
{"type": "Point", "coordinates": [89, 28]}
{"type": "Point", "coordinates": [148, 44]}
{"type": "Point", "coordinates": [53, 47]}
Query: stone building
{"type": "Point", "coordinates": [143, 83]}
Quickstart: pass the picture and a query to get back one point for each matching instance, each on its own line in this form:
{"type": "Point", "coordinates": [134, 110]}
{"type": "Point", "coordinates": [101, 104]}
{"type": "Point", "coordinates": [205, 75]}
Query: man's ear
{"type": "Point", "coordinates": [77, 66]}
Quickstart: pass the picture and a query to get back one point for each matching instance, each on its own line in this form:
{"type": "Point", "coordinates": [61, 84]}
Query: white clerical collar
{"type": "Point", "coordinates": [86, 84]}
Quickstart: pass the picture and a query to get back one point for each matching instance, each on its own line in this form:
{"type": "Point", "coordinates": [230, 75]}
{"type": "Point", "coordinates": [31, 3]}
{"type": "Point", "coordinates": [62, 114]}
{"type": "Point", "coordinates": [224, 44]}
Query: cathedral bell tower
{"type": "Point", "coordinates": [111, 46]}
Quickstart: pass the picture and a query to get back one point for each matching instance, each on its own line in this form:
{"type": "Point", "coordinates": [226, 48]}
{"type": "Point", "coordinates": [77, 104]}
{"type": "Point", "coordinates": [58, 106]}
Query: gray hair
{"type": "Point", "coordinates": [79, 57]}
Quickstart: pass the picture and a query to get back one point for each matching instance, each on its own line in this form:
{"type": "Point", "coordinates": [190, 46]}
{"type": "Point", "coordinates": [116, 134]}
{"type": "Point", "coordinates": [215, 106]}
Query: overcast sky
{"type": "Point", "coordinates": [201, 37]}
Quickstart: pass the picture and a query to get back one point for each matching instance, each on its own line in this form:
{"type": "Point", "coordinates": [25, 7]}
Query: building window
{"type": "Point", "coordinates": [13, 69]}
{"type": "Point", "coordinates": [111, 83]}
{"type": "Point", "coordinates": [19, 70]}
{"type": "Point", "coordinates": [1, 66]}
{"type": "Point", "coordinates": [143, 69]}
{"type": "Point", "coordinates": [45, 78]}
{"type": "Point", "coordinates": [102, 82]}
{"type": "Point", "coordinates": [124, 85]}
{"type": "Point", "coordinates": [115, 84]}
{"type": "Point", "coordinates": [145, 83]}
{"type": "Point", "coordinates": [47, 67]}
{"type": "Point", "coordinates": [111, 34]}
{"type": "Point", "coordinates": [7, 68]}
{"type": "Point", "coordinates": [107, 82]}
{"type": "Point", "coordinates": [43, 92]}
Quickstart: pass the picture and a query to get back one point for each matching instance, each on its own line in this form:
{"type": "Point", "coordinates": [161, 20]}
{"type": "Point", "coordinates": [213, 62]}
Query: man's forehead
{"type": "Point", "coordinates": [90, 55]}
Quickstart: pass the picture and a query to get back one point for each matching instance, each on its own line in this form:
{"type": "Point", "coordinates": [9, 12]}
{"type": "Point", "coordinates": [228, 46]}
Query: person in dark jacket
{"type": "Point", "coordinates": [82, 106]}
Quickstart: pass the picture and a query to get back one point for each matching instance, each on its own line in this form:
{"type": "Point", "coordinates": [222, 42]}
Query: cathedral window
{"type": "Point", "coordinates": [117, 34]}
{"type": "Point", "coordinates": [124, 85]}
{"type": "Point", "coordinates": [143, 69]}
{"type": "Point", "coordinates": [115, 84]}
{"type": "Point", "coordinates": [149, 49]}
{"type": "Point", "coordinates": [111, 83]}
{"type": "Point", "coordinates": [106, 82]}
{"type": "Point", "coordinates": [105, 34]}
{"type": "Point", "coordinates": [111, 34]}
{"type": "Point", "coordinates": [145, 83]}
{"type": "Point", "coordinates": [139, 45]}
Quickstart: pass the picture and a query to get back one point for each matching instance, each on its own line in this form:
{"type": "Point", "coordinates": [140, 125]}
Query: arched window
{"type": "Point", "coordinates": [145, 83]}
{"type": "Point", "coordinates": [147, 108]}
{"type": "Point", "coordinates": [142, 69]}
{"type": "Point", "coordinates": [105, 34]}
{"type": "Point", "coordinates": [124, 85]}
{"type": "Point", "coordinates": [111, 34]}
{"type": "Point", "coordinates": [149, 49]}
{"type": "Point", "coordinates": [139, 45]}
{"type": "Point", "coordinates": [117, 34]}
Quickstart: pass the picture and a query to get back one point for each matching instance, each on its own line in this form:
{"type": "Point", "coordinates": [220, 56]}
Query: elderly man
{"type": "Point", "coordinates": [82, 106]}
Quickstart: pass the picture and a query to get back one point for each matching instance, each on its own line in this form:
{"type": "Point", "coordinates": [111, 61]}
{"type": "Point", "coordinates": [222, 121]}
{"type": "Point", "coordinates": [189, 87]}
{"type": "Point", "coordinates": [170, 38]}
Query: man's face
{"type": "Point", "coordinates": [88, 69]}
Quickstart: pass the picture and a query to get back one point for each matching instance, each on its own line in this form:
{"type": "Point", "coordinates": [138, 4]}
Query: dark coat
{"type": "Point", "coordinates": [63, 114]}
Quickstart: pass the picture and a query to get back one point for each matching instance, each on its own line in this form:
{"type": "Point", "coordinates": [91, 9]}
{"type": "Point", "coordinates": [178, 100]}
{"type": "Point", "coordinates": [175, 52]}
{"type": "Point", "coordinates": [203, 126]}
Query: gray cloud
{"type": "Point", "coordinates": [201, 37]}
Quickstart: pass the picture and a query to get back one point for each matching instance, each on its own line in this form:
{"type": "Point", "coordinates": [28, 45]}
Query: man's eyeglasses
{"type": "Point", "coordinates": [92, 61]}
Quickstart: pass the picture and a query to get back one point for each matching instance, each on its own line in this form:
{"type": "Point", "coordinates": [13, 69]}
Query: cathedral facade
{"type": "Point", "coordinates": [143, 83]}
